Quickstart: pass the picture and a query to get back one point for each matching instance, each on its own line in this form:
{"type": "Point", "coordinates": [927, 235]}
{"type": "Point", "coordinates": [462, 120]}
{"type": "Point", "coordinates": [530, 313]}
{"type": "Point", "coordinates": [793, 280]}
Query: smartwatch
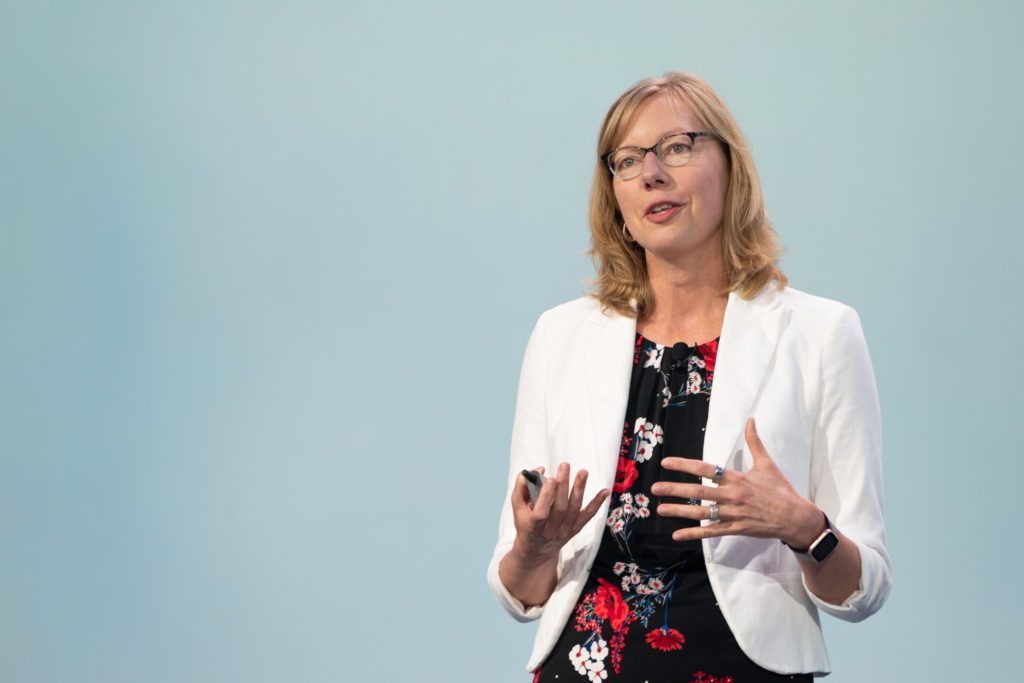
{"type": "Point", "coordinates": [822, 546]}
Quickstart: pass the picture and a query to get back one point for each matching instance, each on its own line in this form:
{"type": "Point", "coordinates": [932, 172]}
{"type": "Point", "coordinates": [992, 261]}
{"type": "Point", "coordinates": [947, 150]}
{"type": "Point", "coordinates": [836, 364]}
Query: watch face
{"type": "Point", "coordinates": [824, 547]}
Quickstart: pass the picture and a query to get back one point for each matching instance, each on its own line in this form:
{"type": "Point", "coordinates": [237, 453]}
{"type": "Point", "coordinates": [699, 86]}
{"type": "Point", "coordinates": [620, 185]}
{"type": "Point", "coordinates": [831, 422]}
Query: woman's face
{"type": "Point", "coordinates": [696, 190]}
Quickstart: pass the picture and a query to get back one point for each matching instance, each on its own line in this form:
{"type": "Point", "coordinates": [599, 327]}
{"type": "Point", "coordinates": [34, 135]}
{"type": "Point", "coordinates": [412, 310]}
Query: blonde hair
{"type": "Point", "coordinates": [750, 247]}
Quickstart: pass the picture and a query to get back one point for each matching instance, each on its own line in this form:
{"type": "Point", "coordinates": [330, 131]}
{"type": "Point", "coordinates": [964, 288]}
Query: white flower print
{"type": "Point", "coordinates": [656, 584]}
{"type": "Point", "coordinates": [644, 451]}
{"type": "Point", "coordinates": [599, 649]}
{"type": "Point", "coordinates": [597, 674]}
{"type": "Point", "coordinates": [693, 383]}
{"type": "Point", "coordinates": [621, 517]}
{"type": "Point", "coordinates": [695, 362]}
{"type": "Point", "coordinates": [619, 567]}
{"type": "Point", "coordinates": [579, 656]}
{"type": "Point", "coordinates": [631, 578]}
{"type": "Point", "coordinates": [657, 435]}
{"type": "Point", "coordinates": [641, 510]}
{"type": "Point", "coordinates": [649, 435]}
{"type": "Point", "coordinates": [654, 357]}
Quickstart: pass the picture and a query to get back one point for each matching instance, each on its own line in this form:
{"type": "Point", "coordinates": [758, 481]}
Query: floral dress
{"type": "Point", "coordinates": [647, 613]}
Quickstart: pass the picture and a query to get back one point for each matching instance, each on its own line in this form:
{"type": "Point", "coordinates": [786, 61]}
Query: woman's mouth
{"type": "Point", "coordinates": [660, 213]}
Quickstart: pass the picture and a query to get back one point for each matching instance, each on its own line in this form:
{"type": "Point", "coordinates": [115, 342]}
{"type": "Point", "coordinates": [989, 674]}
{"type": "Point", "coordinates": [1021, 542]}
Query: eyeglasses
{"type": "Point", "coordinates": [672, 150]}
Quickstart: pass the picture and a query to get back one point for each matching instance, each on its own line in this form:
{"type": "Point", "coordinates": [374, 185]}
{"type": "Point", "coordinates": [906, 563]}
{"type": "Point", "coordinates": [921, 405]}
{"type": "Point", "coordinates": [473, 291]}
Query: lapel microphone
{"type": "Point", "coordinates": [679, 354]}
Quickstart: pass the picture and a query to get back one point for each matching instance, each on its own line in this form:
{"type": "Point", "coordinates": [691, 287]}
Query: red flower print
{"type": "Point", "coordinates": [665, 639]}
{"type": "Point", "coordinates": [610, 605]}
{"type": "Point", "coordinates": [701, 677]}
{"type": "Point", "coordinates": [536, 675]}
{"type": "Point", "coordinates": [625, 475]}
{"type": "Point", "coordinates": [709, 352]}
{"type": "Point", "coordinates": [627, 440]}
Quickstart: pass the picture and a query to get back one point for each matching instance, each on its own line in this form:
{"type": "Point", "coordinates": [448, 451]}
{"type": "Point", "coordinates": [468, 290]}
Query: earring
{"type": "Point", "coordinates": [625, 234]}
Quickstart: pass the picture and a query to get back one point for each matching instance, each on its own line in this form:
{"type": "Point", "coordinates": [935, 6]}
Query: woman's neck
{"type": "Point", "coordinates": [688, 302]}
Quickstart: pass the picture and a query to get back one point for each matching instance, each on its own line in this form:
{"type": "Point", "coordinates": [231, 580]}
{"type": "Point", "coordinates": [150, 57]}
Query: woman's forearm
{"type": "Point", "coordinates": [838, 576]}
{"type": "Point", "coordinates": [529, 578]}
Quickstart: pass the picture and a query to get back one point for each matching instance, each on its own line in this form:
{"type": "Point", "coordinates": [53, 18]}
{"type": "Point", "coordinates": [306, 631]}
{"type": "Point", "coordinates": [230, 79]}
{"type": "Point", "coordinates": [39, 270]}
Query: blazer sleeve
{"type": "Point", "coordinates": [529, 444]}
{"type": "Point", "coordinates": [846, 464]}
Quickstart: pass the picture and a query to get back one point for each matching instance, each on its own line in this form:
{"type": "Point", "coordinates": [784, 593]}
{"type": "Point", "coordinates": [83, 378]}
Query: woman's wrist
{"type": "Point", "coordinates": [529, 554]}
{"type": "Point", "coordinates": [528, 577]}
{"type": "Point", "coordinates": [808, 522]}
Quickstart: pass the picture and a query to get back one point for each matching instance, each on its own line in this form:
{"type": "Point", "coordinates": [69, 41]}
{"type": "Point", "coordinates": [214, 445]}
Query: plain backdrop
{"type": "Point", "coordinates": [267, 273]}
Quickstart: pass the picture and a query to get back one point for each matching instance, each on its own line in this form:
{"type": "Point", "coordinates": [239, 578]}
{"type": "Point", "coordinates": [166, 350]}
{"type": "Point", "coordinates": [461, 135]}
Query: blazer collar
{"type": "Point", "coordinates": [750, 335]}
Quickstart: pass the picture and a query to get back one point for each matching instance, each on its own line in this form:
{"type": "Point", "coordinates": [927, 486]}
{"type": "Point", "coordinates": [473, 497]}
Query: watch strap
{"type": "Point", "coordinates": [821, 547]}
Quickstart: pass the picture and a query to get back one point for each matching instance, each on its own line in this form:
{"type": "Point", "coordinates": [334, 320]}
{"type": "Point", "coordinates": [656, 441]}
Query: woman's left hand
{"type": "Point", "coordinates": [760, 502]}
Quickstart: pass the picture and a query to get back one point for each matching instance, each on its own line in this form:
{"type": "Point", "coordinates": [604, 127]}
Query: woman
{"type": "Point", "coordinates": [723, 428]}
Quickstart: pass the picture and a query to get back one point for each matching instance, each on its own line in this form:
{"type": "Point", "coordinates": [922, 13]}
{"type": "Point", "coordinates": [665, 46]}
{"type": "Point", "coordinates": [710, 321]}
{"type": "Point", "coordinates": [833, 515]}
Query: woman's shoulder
{"type": "Point", "coordinates": [819, 315]}
{"type": "Point", "coordinates": [568, 323]}
{"type": "Point", "coordinates": [820, 307]}
{"type": "Point", "coordinates": [572, 313]}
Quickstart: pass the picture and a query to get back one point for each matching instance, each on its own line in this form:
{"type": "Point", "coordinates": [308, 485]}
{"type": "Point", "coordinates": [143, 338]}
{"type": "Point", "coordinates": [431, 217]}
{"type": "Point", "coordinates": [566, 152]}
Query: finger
{"type": "Point", "coordinates": [673, 490]}
{"type": "Point", "coordinates": [520, 495]}
{"type": "Point", "coordinates": [758, 452]}
{"type": "Point", "coordinates": [697, 468]}
{"type": "Point", "coordinates": [693, 511]}
{"type": "Point", "coordinates": [561, 503]}
{"type": "Point", "coordinates": [572, 508]}
{"type": "Point", "coordinates": [526, 490]}
{"type": "Point", "coordinates": [668, 489]}
{"type": "Point", "coordinates": [575, 500]}
{"type": "Point", "coordinates": [576, 495]}
{"type": "Point", "coordinates": [542, 508]}
{"type": "Point", "coordinates": [708, 531]}
{"type": "Point", "coordinates": [685, 511]}
{"type": "Point", "coordinates": [587, 513]}
{"type": "Point", "coordinates": [679, 464]}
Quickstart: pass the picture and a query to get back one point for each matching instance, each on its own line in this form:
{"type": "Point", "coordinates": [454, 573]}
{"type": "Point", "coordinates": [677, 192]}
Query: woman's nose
{"type": "Point", "coordinates": [654, 172]}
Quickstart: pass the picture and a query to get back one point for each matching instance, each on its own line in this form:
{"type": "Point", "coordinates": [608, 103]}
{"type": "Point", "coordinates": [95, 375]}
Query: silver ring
{"type": "Point", "coordinates": [717, 476]}
{"type": "Point", "coordinates": [713, 509]}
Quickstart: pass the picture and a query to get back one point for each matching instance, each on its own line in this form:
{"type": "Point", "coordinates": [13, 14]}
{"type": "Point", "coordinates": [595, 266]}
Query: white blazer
{"type": "Point", "coordinates": [796, 362]}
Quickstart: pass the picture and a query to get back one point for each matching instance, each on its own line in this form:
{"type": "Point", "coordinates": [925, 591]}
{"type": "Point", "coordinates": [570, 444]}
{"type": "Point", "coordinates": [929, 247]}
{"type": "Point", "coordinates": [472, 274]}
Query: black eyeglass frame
{"type": "Point", "coordinates": [693, 135]}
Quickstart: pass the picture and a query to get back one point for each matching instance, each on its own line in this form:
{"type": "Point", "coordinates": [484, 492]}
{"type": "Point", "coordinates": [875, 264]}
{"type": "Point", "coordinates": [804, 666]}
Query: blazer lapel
{"type": "Point", "coordinates": [750, 335]}
{"type": "Point", "coordinates": [608, 364]}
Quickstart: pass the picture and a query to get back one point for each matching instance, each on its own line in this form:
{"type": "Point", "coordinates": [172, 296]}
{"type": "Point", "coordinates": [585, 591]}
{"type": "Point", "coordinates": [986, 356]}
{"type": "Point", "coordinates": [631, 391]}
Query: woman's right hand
{"type": "Point", "coordinates": [530, 569]}
{"type": "Point", "coordinates": [542, 529]}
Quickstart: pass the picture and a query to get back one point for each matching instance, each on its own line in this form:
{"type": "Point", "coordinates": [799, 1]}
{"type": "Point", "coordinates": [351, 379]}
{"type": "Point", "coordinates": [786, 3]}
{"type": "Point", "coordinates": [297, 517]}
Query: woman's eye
{"type": "Point", "coordinates": [679, 148]}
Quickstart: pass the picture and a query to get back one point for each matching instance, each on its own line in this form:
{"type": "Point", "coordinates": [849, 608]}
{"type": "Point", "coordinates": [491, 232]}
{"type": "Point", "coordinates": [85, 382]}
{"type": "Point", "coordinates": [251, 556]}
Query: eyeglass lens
{"type": "Point", "coordinates": [675, 150]}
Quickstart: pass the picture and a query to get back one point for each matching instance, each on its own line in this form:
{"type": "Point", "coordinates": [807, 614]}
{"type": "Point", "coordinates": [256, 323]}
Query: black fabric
{"type": "Point", "coordinates": [647, 612]}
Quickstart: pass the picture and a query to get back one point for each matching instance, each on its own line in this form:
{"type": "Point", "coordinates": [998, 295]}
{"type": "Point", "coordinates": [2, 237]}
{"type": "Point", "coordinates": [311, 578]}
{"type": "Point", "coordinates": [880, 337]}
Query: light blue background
{"type": "Point", "coordinates": [267, 272]}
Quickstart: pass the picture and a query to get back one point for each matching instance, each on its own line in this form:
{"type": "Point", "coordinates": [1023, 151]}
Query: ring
{"type": "Point", "coordinates": [717, 476]}
{"type": "Point", "coordinates": [713, 509]}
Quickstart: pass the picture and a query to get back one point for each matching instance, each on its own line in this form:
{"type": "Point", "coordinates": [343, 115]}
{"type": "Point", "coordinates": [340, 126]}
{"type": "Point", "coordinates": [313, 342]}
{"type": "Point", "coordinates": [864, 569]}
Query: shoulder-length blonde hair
{"type": "Point", "coordinates": [750, 247]}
